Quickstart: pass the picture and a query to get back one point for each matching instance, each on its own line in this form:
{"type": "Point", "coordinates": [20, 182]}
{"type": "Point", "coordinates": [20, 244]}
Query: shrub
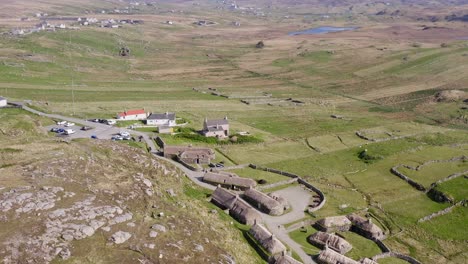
{"type": "Point", "coordinates": [367, 158]}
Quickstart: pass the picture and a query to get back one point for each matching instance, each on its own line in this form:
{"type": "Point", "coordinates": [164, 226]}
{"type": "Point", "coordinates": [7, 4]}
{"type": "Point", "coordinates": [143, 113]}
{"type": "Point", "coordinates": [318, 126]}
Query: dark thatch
{"type": "Point", "coordinates": [268, 241]}
{"type": "Point", "coordinates": [263, 202]}
{"type": "Point", "coordinates": [322, 239]}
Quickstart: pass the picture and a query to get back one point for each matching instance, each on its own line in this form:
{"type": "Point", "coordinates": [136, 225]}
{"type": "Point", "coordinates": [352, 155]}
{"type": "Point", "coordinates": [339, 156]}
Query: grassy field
{"type": "Point", "coordinates": [381, 79]}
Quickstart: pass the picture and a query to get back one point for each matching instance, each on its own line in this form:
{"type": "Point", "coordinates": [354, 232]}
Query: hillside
{"type": "Point", "coordinates": [364, 100]}
{"type": "Point", "coordinates": [66, 202]}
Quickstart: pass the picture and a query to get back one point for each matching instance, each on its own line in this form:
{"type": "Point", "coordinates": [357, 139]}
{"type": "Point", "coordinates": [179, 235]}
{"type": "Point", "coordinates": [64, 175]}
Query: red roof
{"type": "Point", "coordinates": [133, 112]}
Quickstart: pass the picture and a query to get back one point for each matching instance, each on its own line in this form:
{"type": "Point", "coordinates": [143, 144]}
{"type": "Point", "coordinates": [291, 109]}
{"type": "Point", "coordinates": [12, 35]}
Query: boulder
{"type": "Point", "coordinates": [120, 237]}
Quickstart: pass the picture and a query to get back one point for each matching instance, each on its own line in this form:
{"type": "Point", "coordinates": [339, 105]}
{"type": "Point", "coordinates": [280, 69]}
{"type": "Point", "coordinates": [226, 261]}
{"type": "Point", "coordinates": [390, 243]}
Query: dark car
{"type": "Point", "coordinates": [85, 128]}
{"type": "Point", "coordinates": [94, 137]}
{"type": "Point", "coordinates": [54, 129]}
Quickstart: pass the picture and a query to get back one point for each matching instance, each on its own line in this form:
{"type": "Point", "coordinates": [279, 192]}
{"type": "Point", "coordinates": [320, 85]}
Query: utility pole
{"type": "Point", "coordinates": [71, 72]}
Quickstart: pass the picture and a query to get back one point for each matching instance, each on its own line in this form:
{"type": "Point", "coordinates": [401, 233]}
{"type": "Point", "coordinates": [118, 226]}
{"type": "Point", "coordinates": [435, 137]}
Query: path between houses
{"type": "Point", "coordinates": [297, 196]}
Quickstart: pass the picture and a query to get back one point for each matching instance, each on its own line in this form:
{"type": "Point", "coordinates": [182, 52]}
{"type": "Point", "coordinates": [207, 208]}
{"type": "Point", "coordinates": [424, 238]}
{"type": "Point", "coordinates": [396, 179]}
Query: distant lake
{"type": "Point", "coordinates": [321, 30]}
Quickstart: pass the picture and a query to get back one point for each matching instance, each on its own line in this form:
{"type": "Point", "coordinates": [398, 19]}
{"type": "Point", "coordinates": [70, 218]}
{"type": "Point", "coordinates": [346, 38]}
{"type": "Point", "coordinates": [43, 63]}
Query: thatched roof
{"type": "Point", "coordinates": [328, 256]}
{"type": "Point", "coordinates": [223, 198]}
{"type": "Point", "coordinates": [284, 203]}
{"type": "Point", "coordinates": [333, 222]}
{"type": "Point", "coordinates": [365, 225]}
{"type": "Point", "coordinates": [244, 213]}
{"type": "Point", "coordinates": [268, 241]}
{"type": "Point", "coordinates": [238, 208]}
{"type": "Point", "coordinates": [263, 202]}
{"type": "Point", "coordinates": [321, 239]}
{"type": "Point", "coordinates": [216, 178]}
{"type": "Point", "coordinates": [368, 261]}
{"type": "Point", "coordinates": [177, 150]}
{"type": "Point", "coordinates": [285, 259]}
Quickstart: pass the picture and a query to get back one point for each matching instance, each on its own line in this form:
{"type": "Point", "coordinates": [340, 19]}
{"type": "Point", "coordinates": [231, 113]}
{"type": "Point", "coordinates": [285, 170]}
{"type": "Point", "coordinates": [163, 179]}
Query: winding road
{"type": "Point", "coordinates": [297, 196]}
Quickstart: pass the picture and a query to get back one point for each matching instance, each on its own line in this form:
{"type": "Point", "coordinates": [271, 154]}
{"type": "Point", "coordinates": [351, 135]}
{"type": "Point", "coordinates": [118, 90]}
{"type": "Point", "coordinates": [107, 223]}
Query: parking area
{"type": "Point", "coordinates": [99, 131]}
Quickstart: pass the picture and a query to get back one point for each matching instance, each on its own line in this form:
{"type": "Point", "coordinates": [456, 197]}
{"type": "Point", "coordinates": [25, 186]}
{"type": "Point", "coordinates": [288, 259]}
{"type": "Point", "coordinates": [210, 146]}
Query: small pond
{"type": "Point", "coordinates": [321, 30]}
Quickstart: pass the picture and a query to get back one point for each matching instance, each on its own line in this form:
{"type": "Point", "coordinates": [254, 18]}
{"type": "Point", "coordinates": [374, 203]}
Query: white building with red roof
{"type": "Point", "coordinates": [132, 115]}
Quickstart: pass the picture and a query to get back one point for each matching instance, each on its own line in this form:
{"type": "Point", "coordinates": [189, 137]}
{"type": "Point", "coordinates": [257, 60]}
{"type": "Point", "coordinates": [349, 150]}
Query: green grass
{"type": "Point", "coordinates": [449, 226]}
{"type": "Point", "coordinates": [301, 238]}
{"type": "Point", "coordinates": [260, 175]}
{"type": "Point", "coordinates": [433, 172]}
{"type": "Point", "coordinates": [456, 188]}
{"type": "Point", "coordinates": [362, 247]}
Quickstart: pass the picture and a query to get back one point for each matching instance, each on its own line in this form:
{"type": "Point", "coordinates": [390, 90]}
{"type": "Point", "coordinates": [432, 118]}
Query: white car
{"type": "Point", "coordinates": [61, 122]}
{"type": "Point", "coordinates": [69, 124]}
{"type": "Point", "coordinates": [69, 131]}
{"type": "Point", "coordinates": [124, 134]}
{"type": "Point", "coordinates": [117, 137]}
{"type": "Point", "coordinates": [111, 122]}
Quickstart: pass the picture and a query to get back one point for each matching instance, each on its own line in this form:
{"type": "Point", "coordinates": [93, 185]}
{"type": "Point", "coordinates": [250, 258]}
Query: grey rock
{"type": "Point", "coordinates": [158, 227]}
{"type": "Point", "coordinates": [199, 248]}
{"type": "Point", "coordinates": [153, 234]}
{"type": "Point", "coordinates": [87, 230]}
{"type": "Point", "coordinates": [120, 237]}
{"type": "Point", "coordinates": [171, 192]}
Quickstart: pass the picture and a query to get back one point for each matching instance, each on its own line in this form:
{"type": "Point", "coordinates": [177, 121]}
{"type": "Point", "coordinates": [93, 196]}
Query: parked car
{"type": "Point", "coordinates": [61, 123]}
{"type": "Point", "coordinates": [60, 130]}
{"type": "Point", "coordinates": [55, 129]}
{"type": "Point", "coordinates": [124, 134]}
{"type": "Point", "coordinates": [95, 120]}
{"type": "Point", "coordinates": [86, 128]}
{"type": "Point", "coordinates": [219, 165]}
{"type": "Point", "coordinates": [127, 137]}
{"type": "Point", "coordinates": [94, 137]}
{"type": "Point", "coordinates": [69, 124]}
{"type": "Point", "coordinates": [111, 122]}
{"type": "Point", "coordinates": [69, 131]}
{"type": "Point", "coordinates": [117, 137]}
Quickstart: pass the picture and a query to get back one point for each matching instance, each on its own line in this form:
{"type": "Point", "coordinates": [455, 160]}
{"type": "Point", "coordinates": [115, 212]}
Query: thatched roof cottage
{"type": "Point", "coordinates": [244, 213]}
{"type": "Point", "coordinates": [328, 256]}
{"type": "Point", "coordinates": [280, 200]}
{"type": "Point", "coordinates": [266, 239]}
{"type": "Point", "coordinates": [263, 202]}
{"type": "Point", "coordinates": [189, 154]}
{"type": "Point", "coordinates": [237, 207]}
{"type": "Point", "coordinates": [322, 239]}
{"type": "Point", "coordinates": [333, 224]}
{"type": "Point", "coordinates": [368, 261]}
{"type": "Point", "coordinates": [229, 181]}
{"type": "Point", "coordinates": [223, 198]}
{"type": "Point", "coordinates": [365, 227]}
{"type": "Point", "coordinates": [285, 259]}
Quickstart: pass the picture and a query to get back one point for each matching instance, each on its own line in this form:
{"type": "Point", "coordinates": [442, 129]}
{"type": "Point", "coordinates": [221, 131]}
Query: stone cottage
{"type": "Point", "coordinates": [365, 227]}
{"type": "Point", "coordinates": [333, 224]}
{"type": "Point", "coordinates": [138, 114]}
{"type": "Point", "coordinates": [238, 208]}
{"type": "Point", "coordinates": [229, 181]}
{"type": "Point", "coordinates": [263, 202]}
{"type": "Point", "coordinates": [189, 154]}
{"type": "Point", "coordinates": [322, 239]}
{"type": "Point", "coordinates": [3, 102]}
{"type": "Point", "coordinates": [285, 259]}
{"type": "Point", "coordinates": [266, 239]}
{"type": "Point", "coordinates": [328, 256]}
{"type": "Point", "coordinates": [165, 119]}
{"type": "Point", "coordinates": [216, 128]}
